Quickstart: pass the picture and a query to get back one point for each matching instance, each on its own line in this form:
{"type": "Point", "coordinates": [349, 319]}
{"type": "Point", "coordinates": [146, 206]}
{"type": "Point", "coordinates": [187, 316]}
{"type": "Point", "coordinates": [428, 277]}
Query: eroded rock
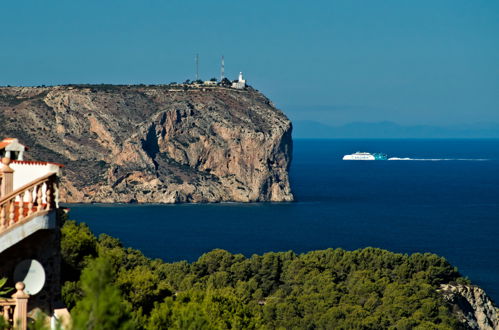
{"type": "Point", "coordinates": [154, 144]}
{"type": "Point", "coordinates": [472, 306]}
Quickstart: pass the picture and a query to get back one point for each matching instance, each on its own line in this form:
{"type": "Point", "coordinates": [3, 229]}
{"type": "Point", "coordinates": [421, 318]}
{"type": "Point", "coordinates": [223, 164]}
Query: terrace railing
{"type": "Point", "coordinates": [14, 310]}
{"type": "Point", "coordinates": [29, 201]}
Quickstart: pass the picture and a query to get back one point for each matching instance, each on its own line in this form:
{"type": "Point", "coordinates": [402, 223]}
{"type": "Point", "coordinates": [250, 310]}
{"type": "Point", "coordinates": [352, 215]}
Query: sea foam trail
{"type": "Point", "coordinates": [440, 159]}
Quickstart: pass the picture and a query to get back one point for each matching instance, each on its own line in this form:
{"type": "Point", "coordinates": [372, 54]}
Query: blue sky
{"type": "Point", "coordinates": [410, 62]}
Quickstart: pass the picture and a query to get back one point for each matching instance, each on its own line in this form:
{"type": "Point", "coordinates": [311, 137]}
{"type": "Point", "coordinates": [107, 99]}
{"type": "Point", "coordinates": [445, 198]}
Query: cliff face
{"type": "Point", "coordinates": [154, 144]}
{"type": "Point", "coordinates": [472, 306]}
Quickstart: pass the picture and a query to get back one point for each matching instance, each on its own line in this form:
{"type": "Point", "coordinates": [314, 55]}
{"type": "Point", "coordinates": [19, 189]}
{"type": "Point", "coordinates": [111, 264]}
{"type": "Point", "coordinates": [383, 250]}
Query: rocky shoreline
{"type": "Point", "coordinates": [472, 306]}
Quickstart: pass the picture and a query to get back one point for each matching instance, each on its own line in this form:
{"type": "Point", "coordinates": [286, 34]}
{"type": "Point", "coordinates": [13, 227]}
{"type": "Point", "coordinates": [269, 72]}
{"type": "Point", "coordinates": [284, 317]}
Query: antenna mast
{"type": "Point", "coordinates": [197, 67]}
{"type": "Point", "coordinates": [222, 70]}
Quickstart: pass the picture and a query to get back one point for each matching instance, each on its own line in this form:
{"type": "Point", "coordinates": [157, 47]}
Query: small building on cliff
{"type": "Point", "coordinates": [210, 83]}
{"type": "Point", "coordinates": [30, 255]}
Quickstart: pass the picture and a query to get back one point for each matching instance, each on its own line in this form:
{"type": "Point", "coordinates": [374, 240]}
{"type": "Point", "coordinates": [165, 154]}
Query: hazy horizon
{"type": "Point", "coordinates": [306, 129]}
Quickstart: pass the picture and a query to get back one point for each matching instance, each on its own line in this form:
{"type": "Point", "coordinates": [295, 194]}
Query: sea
{"type": "Point", "coordinates": [443, 198]}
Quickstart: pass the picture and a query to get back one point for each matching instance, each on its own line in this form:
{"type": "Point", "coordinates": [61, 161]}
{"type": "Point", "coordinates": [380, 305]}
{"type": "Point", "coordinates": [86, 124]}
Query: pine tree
{"type": "Point", "coordinates": [102, 306]}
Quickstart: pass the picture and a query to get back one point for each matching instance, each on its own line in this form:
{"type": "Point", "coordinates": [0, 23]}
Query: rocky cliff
{"type": "Point", "coordinates": [472, 306]}
{"type": "Point", "coordinates": [154, 143]}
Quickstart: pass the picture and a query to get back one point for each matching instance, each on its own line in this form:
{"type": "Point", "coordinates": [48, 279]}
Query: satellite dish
{"type": "Point", "coordinates": [32, 274]}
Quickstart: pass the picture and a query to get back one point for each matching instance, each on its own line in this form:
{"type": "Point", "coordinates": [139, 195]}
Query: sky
{"type": "Point", "coordinates": [333, 62]}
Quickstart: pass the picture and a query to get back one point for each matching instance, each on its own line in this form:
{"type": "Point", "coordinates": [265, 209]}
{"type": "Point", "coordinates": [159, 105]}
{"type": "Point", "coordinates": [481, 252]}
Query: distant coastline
{"type": "Point", "coordinates": [304, 129]}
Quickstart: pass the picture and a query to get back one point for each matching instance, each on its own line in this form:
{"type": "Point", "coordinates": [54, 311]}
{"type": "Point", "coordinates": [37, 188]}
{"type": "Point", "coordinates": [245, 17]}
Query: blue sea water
{"type": "Point", "coordinates": [448, 205]}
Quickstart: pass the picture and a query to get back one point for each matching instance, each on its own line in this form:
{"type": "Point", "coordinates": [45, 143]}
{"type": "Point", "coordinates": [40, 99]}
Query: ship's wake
{"type": "Point", "coordinates": [440, 159]}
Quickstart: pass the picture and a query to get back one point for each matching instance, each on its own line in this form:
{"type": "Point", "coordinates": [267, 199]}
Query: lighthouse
{"type": "Point", "coordinates": [240, 83]}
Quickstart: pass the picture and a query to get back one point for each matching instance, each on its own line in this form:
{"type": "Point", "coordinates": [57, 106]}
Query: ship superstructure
{"type": "Point", "coordinates": [365, 156]}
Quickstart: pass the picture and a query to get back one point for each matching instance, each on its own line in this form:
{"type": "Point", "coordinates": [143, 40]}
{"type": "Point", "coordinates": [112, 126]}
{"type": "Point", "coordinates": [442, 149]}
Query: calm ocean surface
{"type": "Point", "coordinates": [446, 206]}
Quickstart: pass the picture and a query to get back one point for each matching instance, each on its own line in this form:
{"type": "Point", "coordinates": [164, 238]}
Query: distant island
{"type": "Point", "coordinates": [190, 142]}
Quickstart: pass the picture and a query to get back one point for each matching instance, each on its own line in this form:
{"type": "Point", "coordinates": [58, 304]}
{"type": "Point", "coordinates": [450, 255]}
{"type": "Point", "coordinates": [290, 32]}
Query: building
{"type": "Point", "coordinates": [29, 234]}
{"type": "Point", "coordinates": [11, 148]}
{"type": "Point", "coordinates": [240, 83]}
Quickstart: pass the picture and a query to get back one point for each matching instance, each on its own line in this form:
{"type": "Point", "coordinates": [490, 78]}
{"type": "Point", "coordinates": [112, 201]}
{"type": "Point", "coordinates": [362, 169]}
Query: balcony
{"type": "Point", "coordinates": [28, 209]}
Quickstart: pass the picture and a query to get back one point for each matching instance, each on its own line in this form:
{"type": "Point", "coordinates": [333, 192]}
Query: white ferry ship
{"type": "Point", "coordinates": [365, 156]}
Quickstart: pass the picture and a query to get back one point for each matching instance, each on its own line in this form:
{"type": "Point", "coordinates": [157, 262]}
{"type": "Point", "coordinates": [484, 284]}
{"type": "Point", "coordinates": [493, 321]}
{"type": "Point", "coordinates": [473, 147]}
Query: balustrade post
{"type": "Point", "coordinates": [30, 201]}
{"type": "Point", "coordinates": [21, 309]}
{"type": "Point", "coordinates": [6, 313]}
{"type": "Point", "coordinates": [56, 191]}
{"type": "Point", "coordinates": [3, 223]}
{"type": "Point", "coordinates": [48, 194]}
{"type": "Point", "coordinates": [7, 184]}
{"type": "Point", "coordinates": [12, 210]}
{"type": "Point", "coordinates": [39, 198]}
{"type": "Point", "coordinates": [22, 197]}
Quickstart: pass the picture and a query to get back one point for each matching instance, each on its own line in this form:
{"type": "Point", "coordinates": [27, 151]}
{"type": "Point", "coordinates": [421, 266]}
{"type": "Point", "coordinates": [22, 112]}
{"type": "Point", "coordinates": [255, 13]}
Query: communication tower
{"type": "Point", "coordinates": [197, 67]}
{"type": "Point", "coordinates": [222, 69]}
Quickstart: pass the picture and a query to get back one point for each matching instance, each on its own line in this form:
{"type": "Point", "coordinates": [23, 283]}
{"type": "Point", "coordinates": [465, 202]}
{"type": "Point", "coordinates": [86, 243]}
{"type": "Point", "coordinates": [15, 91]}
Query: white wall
{"type": "Point", "coordinates": [26, 172]}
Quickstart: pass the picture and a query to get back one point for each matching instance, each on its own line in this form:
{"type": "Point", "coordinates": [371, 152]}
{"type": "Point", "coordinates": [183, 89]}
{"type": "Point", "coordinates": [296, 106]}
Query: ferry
{"type": "Point", "coordinates": [365, 156]}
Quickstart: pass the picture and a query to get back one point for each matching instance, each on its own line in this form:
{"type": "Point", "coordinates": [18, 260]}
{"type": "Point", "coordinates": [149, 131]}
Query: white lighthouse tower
{"type": "Point", "coordinates": [240, 83]}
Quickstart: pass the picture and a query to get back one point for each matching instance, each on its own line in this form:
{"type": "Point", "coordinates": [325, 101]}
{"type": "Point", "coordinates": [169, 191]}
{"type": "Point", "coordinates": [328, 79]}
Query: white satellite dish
{"type": "Point", "coordinates": [32, 274]}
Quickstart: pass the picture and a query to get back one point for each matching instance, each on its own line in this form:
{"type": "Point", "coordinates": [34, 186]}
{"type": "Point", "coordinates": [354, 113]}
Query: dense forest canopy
{"type": "Point", "coordinates": [364, 289]}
